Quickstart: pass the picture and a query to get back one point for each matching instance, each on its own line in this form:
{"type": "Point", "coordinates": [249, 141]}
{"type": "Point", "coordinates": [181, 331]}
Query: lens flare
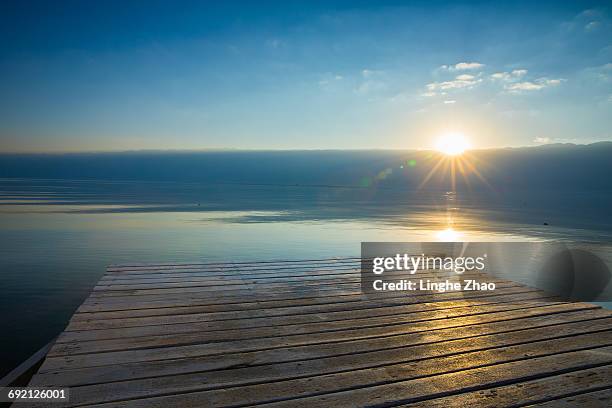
{"type": "Point", "coordinates": [454, 162]}
{"type": "Point", "coordinates": [452, 144]}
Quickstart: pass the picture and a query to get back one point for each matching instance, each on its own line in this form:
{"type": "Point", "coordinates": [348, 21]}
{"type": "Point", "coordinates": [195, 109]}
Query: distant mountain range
{"type": "Point", "coordinates": [555, 166]}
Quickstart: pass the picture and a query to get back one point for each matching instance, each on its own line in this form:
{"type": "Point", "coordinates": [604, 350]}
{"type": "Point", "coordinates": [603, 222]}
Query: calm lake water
{"type": "Point", "coordinates": [58, 236]}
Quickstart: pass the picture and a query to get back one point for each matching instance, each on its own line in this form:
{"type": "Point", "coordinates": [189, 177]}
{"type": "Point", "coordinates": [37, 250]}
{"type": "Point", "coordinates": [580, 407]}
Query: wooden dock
{"type": "Point", "coordinates": [301, 333]}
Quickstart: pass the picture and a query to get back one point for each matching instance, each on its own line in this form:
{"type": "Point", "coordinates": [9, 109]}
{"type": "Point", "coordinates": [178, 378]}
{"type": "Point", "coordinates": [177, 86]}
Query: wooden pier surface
{"type": "Point", "coordinates": [301, 333]}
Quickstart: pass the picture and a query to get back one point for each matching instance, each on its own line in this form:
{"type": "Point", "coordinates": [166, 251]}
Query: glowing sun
{"type": "Point", "coordinates": [452, 144]}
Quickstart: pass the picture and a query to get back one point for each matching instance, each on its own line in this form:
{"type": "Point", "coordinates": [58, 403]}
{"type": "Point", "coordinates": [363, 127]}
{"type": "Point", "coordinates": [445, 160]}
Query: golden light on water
{"type": "Point", "coordinates": [453, 162]}
{"type": "Point", "coordinates": [452, 144]}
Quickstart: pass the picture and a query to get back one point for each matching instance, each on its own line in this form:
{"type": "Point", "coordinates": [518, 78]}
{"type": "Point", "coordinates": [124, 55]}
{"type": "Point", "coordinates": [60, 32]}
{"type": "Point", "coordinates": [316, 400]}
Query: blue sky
{"type": "Point", "coordinates": [302, 75]}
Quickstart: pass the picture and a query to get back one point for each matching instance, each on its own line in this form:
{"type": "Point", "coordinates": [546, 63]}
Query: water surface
{"type": "Point", "coordinates": [59, 235]}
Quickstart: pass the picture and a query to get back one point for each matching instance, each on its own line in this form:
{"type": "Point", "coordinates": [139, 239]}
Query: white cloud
{"type": "Point", "coordinates": [552, 82]}
{"type": "Point", "coordinates": [460, 81]}
{"type": "Point", "coordinates": [465, 77]}
{"type": "Point", "coordinates": [468, 65]}
{"type": "Point", "coordinates": [449, 102]}
{"type": "Point", "coordinates": [524, 86]}
{"type": "Point", "coordinates": [541, 140]}
{"type": "Point", "coordinates": [463, 66]}
{"type": "Point", "coordinates": [501, 75]}
{"type": "Point", "coordinates": [536, 85]}
{"type": "Point", "coordinates": [509, 76]}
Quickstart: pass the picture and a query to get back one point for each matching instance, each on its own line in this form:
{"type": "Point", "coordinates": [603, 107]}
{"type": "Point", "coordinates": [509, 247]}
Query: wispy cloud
{"type": "Point", "coordinates": [509, 76]}
{"type": "Point", "coordinates": [465, 77]}
{"type": "Point", "coordinates": [536, 85]}
{"type": "Point", "coordinates": [463, 66]}
{"type": "Point", "coordinates": [460, 82]}
{"type": "Point", "coordinates": [514, 81]}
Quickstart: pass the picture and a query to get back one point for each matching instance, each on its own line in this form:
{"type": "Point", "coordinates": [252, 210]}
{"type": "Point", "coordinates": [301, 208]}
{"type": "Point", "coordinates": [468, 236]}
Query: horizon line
{"type": "Point", "coordinates": [232, 149]}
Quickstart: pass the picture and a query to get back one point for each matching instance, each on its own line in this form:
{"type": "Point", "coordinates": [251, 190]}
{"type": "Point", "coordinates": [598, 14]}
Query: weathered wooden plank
{"type": "Point", "coordinates": [108, 284]}
{"type": "Point", "coordinates": [340, 301]}
{"type": "Point", "coordinates": [553, 389]}
{"type": "Point", "coordinates": [268, 383]}
{"type": "Point", "coordinates": [247, 287]}
{"type": "Point", "coordinates": [193, 350]}
{"type": "Point", "coordinates": [313, 295]}
{"type": "Point", "coordinates": [233, 263]}
{"type": "Point", "coordinates": [232, 287]}
{"type": "Point", "coordinates": [237, 280]}
{"type": "Point", "coordinates": [263, 274]}
{"type": "Point", "coordinates": [290, 389]}
{"type": "Point", "coordinates": [336, 357]}
{"type": "Point", "coordinates": [260, 291]}
{"type": "Point", "coordinates": [232, 273]}
{"type": "Point", "coordinates": [257, 291]}
{"type": "Point", "coordinates": [302, 276]}
{"type": "Point", "coordinates": [404, 391]}
{"type": "Point", "coordinates": [258, 274]}
{"type": "Point", "coordinates": [233, 311]}
{"type": "Point", "coordinates": [242, 286]}
{"type": "Point", "coordinates": [231, 266]}
{"type": "Point", "coordinates": [167, 326]}
{"type": "Point", "coordinates": [177, 339]}
{"type": "Point", "coordinates": [286, 333]}
{"type": "Point", "coordinates": [595, 399]}
{"type": "Point", "coordinates": [486, 377]}
{"type": "Point", "coordinates": [199, 297]}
